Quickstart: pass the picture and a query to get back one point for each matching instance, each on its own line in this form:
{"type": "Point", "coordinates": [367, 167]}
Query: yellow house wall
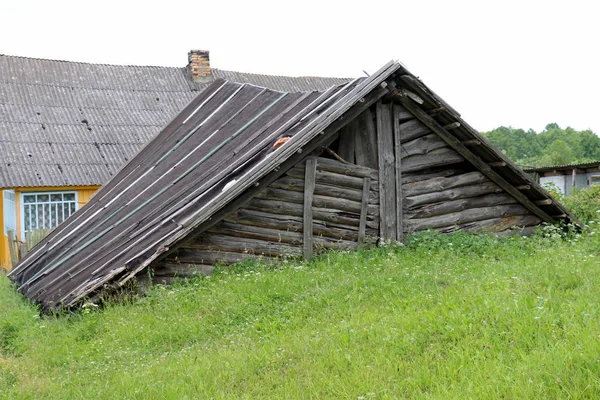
{"type": "Point", "coordinates": [4, 256]}
{"type": "Point", "coordinates": [84, 193]}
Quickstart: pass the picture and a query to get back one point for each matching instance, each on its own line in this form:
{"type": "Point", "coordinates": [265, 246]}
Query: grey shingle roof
{"type": "Point", "coordinates": [69, 123]}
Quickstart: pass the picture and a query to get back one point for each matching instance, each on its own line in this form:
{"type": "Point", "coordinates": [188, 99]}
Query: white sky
{"type": "Point", "coordinates": [522, 63]}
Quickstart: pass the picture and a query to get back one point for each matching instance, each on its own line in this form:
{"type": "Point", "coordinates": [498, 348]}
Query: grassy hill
{"type": "Point", "coordinates": [443, 317]}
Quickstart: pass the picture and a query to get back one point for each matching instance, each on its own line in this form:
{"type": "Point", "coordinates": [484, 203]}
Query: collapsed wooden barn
{"type": "Point", "coordinates": [377, 158]}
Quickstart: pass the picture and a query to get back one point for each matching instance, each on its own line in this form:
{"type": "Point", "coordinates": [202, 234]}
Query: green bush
{"type": "Point", "coordinates": [584, 203]}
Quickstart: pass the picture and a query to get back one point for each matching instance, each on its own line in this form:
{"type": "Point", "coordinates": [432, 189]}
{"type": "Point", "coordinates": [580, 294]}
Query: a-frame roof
{"type": "Point", "coordinates": [215, 152]}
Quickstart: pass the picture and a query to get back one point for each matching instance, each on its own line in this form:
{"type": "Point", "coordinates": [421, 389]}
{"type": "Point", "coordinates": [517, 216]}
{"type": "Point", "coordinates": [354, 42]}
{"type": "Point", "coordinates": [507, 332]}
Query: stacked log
{"type": "Point", "coordinates": [442, 192]}
{"type": "Point", "coordinates": [271, 224]}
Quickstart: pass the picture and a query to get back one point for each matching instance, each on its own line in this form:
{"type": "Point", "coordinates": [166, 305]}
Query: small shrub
{"type": "Point", "coordinates": [584, 203]}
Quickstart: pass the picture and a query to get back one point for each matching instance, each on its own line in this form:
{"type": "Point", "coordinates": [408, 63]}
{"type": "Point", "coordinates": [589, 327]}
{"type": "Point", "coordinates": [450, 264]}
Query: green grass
{"type": "Point", "coordinates": [444, 317]}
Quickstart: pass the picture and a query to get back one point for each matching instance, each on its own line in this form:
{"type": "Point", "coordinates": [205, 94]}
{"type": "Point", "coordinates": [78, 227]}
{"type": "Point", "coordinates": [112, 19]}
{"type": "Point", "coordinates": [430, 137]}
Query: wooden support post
{"type": "Point", "coordinates": [474, 159]}
{"type": "Point", "coordinates": [362, 226]}
{"type": "Point", "coordinates": [310, 173]}
{"type": "Point", "coordinates": [12, 248]}
{"type": "Point", "coordinates": [387, 180]}
{"type": "Point", "coordinates": [398, 164]}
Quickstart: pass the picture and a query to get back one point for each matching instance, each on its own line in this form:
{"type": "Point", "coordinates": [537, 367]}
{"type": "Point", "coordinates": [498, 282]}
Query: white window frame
{"type": "Point", "coordinates": [10, 211]}
{"type": "Point", "coordinates": [49, 193]}
{"type": "Point", "coordinates": [594, 177]}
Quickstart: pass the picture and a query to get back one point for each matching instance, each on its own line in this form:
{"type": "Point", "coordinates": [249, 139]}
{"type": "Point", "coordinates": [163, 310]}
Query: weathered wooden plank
{"type": "Point", "coordinates": [462, 192]}
{"type": "Point", "coordinates": [362, 226]}
{"type": "Point", "coordinates": [327, 164]}
{"type": "Point", "coordinates": [333, 203]}
{"type": "Point", "coordinates": [290, 236]}
{"type": "Point", "coordinates": [412, 129]}
{"type": "Point", "coordinates": [467, 154]}
{"type": "Point", "coordinates": [12, 248]}
{"type": "Point", "coordinates": [447, 207]}
{"type": "Point", "coordinates": [366, 143]}
{"type": "Point", "coordinates": [335, 179]}
{"type": "Point", "coordinates": [181, 270]}
{"type": "Point", "coordinates": [347, 142]}
{"type": "Point", "coordinates": [493, 224]}
{"type": "Point", "coordinates": [196, 256]}
{"type": "Point", "coordinates": [444, 183]}
{"type": "Point", "coordinates": [435, 158]}
{"type": "Point", "coordinates": [422, 145]}
{"type": "Point", "coordinates": [416, 177]}
{"type": "Point", "coordinates": [465, 216]}
{"type": "Point", "coordinates": [323, 214]}
{"type": "Point", "coordinates": [284, 222]}
{"type": "Point", "coordinates": [402, 114]}
{"type": "Point", "coordinates": [297, 185]}
{"type": "Point", "coordinates": [387, 174]}
{"type": "Point", "coordinates": [397, 110]}
{"type": "Point", "coordinates": [309, 188]}
{"type": "Point", "coordinates": [221, 242]}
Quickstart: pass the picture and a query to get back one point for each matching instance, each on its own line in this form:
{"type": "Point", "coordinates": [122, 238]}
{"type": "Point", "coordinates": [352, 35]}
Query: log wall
{"type": "Point", "coordinates": [444, 192]}
{"type": "Point", "coordinates": [272, 223]}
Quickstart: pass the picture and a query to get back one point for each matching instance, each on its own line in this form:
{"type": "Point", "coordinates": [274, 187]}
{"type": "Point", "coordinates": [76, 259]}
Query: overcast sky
{"type": "Point", "coordinates": [520, 63]}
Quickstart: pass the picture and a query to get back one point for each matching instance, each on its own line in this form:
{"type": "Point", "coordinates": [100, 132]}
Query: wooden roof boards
{"type": "Point", "coordinates": [214, 156]}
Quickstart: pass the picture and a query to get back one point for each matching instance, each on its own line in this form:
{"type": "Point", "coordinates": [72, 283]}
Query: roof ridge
{"type": "Point", "coordinates": [283, 76]}
{"type": "Point", "coordinates": [88, 63]}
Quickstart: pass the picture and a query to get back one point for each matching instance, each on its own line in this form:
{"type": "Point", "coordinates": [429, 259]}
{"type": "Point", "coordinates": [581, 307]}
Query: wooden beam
{"type": "Point", "coordinates": [475, 160]}
{"type": "Point", "coordinates": [545, 202]}
{"type": "Point", "coordinates": [362, 226]}
{"type": "Point", "coordinates": [397, 110]}
{"type": "Point", "coordinates": [387, 180]}
{"type": "Point", "coordinates": [496, 164]}
{"type": "Point", "coordinates": [471, 142]}
{"type": "Point", "coordinates": [309, 189]}
{"type": "Point", "coordinates": [523, 187]}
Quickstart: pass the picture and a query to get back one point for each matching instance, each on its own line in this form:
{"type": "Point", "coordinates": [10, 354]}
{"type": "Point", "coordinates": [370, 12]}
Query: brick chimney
{"type": "Point", "coordinates": [199, 65]}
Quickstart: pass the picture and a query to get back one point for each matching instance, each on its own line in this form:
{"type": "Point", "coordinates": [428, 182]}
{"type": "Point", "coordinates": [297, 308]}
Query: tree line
{"type": "Point", "coordinates": [552, 146]}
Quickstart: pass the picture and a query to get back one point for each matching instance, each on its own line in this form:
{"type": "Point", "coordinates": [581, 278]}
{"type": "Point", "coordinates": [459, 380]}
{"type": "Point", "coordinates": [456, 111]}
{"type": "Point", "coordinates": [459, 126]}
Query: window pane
{"type": "Point", "coordinates": [72, 208]}
{"type": "Point", "coordinates": [66, 210]}
{"type": "Point", "coordinates": [56, 197]}
{"type": "Point", "coordinates": [69, 196]}
{"type": "Point", "coordinates": [28, 198]}
{"type": "Point", "coordinates": [26, 218]}
{"type": "Point", "coordinates": [42, 198]}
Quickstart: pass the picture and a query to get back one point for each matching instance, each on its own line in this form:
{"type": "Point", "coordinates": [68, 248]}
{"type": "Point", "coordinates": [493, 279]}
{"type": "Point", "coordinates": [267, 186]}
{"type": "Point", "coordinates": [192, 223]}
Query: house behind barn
{"type": "Point", "coordinates": [375, 158]}
{"type": "Point", "coordinates": [568, 177]}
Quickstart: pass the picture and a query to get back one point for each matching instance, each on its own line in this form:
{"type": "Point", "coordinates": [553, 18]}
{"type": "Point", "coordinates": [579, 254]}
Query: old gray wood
{"type": "Point", "coordinates": [446, 207]}
{"type": "Point", "coordinates": [444, 183]}
{"type": "Point", "coordinates": [471, 157]}
{"type": "Point", "coordinates": [362, 226]}
{"type": "Point", "coordinates": [387, 179]}
{"type": "Point", "coordinates": [451, 194]}
{"type": "Point", "coordinates": [468, 215]}
{"type": "Point", "coordinates": [347, 142]}
{"type": "Point", "coordinates": [435, 158]}
{"type": "Point", "coordinates": [397, 112]}
{"type": "Point", "coordinates": [309, 189]}
{"type": "Point", "coordinates": [366, 143]}
{"type": "Point", "coordinates": [422, 145]}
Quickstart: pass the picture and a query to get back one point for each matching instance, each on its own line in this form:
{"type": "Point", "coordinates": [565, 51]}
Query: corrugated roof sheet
{"type": "Point", "coordinates": [70, 124]}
